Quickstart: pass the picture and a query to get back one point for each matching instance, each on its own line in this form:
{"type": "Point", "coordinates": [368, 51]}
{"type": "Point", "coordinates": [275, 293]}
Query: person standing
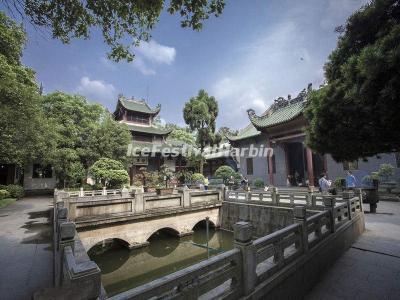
{"type": "Point", "coordinates": [206, 183]}
{"type": "Point", "coordinates": [350, 181]}
{"type": "Point", "coordinates": [324, 184]}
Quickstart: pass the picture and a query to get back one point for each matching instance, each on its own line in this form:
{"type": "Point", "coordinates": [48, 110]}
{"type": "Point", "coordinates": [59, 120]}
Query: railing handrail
{"type": "Point", "coordinates": [168, 282]}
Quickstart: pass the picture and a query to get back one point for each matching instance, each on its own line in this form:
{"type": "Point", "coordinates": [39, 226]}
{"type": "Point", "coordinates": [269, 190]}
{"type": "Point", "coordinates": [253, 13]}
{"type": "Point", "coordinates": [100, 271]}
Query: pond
{"type": "Point", "coordinates": [123, 269]}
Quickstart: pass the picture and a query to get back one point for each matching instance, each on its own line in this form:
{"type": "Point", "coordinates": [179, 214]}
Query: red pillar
{"type": "Point", "coordinates": [310, 169]}
{"type": "Point", "coordinates": [270, 166]}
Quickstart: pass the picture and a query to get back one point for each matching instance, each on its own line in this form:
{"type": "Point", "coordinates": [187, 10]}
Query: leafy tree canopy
{"type": "Point", "coordinates": [85, 133]}
{"type": "Point", "coordinates": [356, 114]}
{"type": "Point", "coordinates": [119, 21]}
{"type": "Point", "coordinates": [25, 133]}
{"type": "Point", "coordinates": [110, 173]}
{"type": "Point", "coordinates": [183, 136]}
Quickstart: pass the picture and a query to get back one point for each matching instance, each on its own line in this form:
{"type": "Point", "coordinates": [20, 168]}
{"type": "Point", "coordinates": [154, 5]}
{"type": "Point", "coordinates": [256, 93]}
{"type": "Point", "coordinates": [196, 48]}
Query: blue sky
{"type": "Point", "coordinates": [253, 53]}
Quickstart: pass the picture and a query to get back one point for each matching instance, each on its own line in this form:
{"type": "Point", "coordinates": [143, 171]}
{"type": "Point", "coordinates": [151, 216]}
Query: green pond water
{"type": "Point", "coordinates": [123, 269]}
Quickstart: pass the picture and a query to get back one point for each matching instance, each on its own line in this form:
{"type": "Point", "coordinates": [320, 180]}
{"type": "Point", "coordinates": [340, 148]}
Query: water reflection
{"type": "Point", "coordinates": [123, 269]}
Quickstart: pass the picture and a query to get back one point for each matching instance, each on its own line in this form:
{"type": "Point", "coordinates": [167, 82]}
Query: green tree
{"type": "Point", "coordinates": [119, 21]}
{"type": "Point", "coordinates": [110, 139]}
{"type": "Point", "coordinates": [226, 172]}
{"type": "Point", "coordinates": [183, 136]}
{"type": "Point", "coordinates": [25, 134]}
{"type": "Point", "coordinates": [85, 132]}
{"type": "Point", "coordinates": [200, 114]}
{"type": "Point", "coordinates": [110, 173]}
{"type": "Point", "coordinates": [356, 114]}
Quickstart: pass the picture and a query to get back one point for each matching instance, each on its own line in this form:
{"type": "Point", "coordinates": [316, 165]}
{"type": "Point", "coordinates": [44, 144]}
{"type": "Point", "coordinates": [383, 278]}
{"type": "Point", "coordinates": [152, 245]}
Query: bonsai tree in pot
{"type": "Point", "coordinates": [164, 175]}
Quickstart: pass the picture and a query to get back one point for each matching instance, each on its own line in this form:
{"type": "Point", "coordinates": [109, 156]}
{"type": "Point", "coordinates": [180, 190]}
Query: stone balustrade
{"type": "Point", "coordinates": [257, 268]}
{"type": "Point", "coordinates": [288, 197]}
{"type": "Point", "coordinates": [75, 275]}
{"type": "Point", "coordinates": [133, 203]}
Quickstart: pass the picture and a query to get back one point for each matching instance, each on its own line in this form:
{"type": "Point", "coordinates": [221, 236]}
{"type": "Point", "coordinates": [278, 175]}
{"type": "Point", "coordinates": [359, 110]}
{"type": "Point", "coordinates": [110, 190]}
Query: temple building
{"type": "Point", "coordinates": [140, 119]}
{"type": "Point", "coordinates": [281, 127]}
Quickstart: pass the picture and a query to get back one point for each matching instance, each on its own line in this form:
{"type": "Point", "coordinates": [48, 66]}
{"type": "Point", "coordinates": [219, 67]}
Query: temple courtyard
{"type": "Point", "coordinates": [370, 269]}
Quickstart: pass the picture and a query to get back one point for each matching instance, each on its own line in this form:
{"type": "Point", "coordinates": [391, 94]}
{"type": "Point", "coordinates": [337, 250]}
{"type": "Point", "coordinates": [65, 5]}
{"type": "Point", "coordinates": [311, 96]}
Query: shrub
{"type": "Point", "coordinates": [110, 173]}
{"type": "Point", "coordinates": [225, 172]}
{"type": "Point", "coordinates": [4, 194]}
{"type": "Point", "coordinates": [367, 180]}
{"type": "Point", "coordinates": [385, 171]}
{"type": "Point", "coordinates": [14, 190]}
{"type": "Point", "coordinates": [198, 177]}
{"type": "Point", "coordinates": [259, 183]}
{"type": "Point", "coordinates": [184, 176]}
{"type": "Point", "coordinates": [338, 183]}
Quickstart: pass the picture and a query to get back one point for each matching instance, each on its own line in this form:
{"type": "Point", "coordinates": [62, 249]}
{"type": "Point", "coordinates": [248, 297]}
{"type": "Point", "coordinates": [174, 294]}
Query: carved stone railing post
{"type": "Point", "coordinates": [81, 193]}
{"type": "Point", "coordinates": [242, 233]}
{"type": "Point", "coordinates": [300, 217]}
{"type": "Point", "coordinates": [104, 192]}
{"type": "Point", "coordinates": [187, 201]}
{"type": "Point", "coordinates": [274, 195]}
{"type": "Point", "coordinates": [329, 203]}
{"type": "Point", "coordinates": [358, 193]}
{"type": "Point", "coordinates": [346, 198]}
{"type": "Point", "coordinates": [138, 204]}
{"type": "Point", "coordinates": [66, 238]}
{"type": "Point", "coordinates": [313, 200]}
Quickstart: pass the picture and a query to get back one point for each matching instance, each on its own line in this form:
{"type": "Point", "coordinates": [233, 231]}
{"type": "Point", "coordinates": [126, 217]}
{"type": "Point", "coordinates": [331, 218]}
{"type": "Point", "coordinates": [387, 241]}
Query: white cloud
{"type": "Point", "coordinates": [149, 54]}
{"type": "Point", "coordinates": [139, 64]}
{"type": "Point", "coordinates": [156, 52]}
{"type": "Point", "coordinates": [281, 60]}
{"type": "Point", "coordinates": [97, 90]}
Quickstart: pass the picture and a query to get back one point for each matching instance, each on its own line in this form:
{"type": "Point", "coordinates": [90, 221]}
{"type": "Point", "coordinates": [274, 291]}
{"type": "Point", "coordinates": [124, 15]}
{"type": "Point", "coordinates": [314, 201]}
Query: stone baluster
{"type": "Point", "coordinates": [313, 200]}
{"type": "Point", "coordinates": [346, 198]}
{"type": "Point", "coordinates": [358, 193]}
{"type": "Point", "coordinates": [242, 234]}
{"type": "Point", "coordinates": [104, 192]}
{"type": "Point", "coordinates": [66, 238]}
{"type": "Point", "coordinates": [81, 193]}
{"type": "Point", "coordinates": [291, 198]}
{"type": "Point", "coordinates": [138, 204]}
{"type": "Point", "coordinates": [274, 195]}
{"type": "Point", "coordinates": [329, 203]}
{"type": "Point", "coordinates": [300, 217]}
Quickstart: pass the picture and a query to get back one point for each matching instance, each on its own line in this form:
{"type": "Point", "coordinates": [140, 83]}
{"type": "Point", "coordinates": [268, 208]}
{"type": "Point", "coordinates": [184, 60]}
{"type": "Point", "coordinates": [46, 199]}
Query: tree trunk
{"type": "Point", "coordinates": [201, 164]}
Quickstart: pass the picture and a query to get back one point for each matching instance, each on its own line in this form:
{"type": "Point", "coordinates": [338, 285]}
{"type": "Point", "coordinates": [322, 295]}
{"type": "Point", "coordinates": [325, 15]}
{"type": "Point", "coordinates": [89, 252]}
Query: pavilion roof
{"type": "Point", "coordinates": [138, 106]}
{"type": "Point", "coordinates": [282, 111]}
{"type": "Point", "coordinates": [247, 132]}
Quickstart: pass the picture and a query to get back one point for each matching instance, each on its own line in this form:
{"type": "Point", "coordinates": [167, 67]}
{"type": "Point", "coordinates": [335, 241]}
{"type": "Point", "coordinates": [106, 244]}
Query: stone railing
{"type": "Point", "coordinates": [256, 269]}
{"type": "Point", "coordinates": [137, 203]}
{"type": "Point", "coordinates": [75, 275]}
{"type": "Point", "coordinates": [196, 280]}
{"type": "Point", "coordinates": [286, 198]}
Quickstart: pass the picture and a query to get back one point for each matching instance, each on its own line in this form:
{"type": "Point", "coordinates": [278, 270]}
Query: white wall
{"type": "Point", "coordinates": [37, 183]}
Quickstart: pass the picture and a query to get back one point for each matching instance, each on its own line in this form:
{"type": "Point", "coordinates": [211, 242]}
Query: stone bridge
{"type": "Point", "coordinates": [133, 219]}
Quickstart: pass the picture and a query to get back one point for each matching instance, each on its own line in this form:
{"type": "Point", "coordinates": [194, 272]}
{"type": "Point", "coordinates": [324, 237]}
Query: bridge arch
{"type": "Point", "coordinates": [106, 241]}
{"type": "Point", "coordinates": [202, 223]}
{"type": "Point", "coordinates": [170, 230]}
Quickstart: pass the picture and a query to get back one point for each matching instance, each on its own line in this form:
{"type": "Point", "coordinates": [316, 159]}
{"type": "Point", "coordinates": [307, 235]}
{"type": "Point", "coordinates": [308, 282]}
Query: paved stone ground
{"type": "Point", "coordinates": [26, 253]}
{"type": "Point", "coordinates": [371, 268]}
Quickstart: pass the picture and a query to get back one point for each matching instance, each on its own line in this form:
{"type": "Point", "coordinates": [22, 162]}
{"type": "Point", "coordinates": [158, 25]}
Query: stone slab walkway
{"type": "Point", "coordinates": [26, 253]}
{"type": "Point", "coordinates": [371, 268]}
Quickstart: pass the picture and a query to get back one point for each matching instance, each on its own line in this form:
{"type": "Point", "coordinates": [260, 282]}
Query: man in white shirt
{"type": "Point", "coordinates": [324, 184]}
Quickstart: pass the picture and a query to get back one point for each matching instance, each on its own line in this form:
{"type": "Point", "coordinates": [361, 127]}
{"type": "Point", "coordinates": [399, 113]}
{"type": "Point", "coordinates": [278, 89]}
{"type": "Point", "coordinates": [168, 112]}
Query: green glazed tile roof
{"type": "Point", "coordinates": [148, 129]}
{"type": "Point", "coordinates": [279, 116]}
{"type": "Point", "coordinates": [247, 132]}
{"type": "Point", "coordinates": [139, 106]}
